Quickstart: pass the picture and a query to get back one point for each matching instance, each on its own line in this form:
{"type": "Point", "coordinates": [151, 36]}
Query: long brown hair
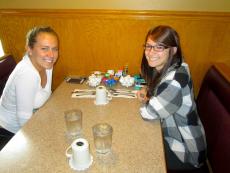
{"type": "Point", "coordinates": [169, 37]}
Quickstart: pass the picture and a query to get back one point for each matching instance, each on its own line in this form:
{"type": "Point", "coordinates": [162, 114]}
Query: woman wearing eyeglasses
{"type": "Point", "coordinates": [168, 96]}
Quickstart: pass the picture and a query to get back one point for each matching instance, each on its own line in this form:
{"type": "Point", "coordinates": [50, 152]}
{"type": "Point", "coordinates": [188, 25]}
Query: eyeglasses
{"type": "Point", "coordinates": [157, 47]}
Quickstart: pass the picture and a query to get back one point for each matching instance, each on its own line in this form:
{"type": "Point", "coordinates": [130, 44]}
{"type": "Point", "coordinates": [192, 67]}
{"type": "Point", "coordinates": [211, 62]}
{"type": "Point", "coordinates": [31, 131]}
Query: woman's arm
{"type": "Point", "coordinates": [166, 102]}
{"type": "Point", "coordinates": [26, 85]}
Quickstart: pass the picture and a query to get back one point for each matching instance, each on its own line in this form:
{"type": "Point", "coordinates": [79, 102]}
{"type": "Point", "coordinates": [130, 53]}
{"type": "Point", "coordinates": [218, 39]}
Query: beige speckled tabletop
{"type": "Point", "coordinates": [40, 145]}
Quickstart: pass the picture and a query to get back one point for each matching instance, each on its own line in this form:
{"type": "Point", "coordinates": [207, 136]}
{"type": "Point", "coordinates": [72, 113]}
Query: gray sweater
{"type": "Point", "coordinates": [173, 103]}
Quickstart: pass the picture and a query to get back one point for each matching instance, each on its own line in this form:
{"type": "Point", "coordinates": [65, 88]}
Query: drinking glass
{"type": "Point", "coordinates": [102, 133]}
{"type": "Point", "coordinates": [73, 119]}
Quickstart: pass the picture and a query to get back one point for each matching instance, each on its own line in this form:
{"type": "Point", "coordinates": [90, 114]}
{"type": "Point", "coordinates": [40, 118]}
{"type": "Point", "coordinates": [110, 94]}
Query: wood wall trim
{"type": "Point", "coordinates": [117, 13]}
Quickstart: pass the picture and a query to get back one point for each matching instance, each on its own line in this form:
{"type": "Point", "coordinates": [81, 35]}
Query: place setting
{"type": "Point", "coordinates": [105, 86]}
{"type": "Point", "coordinates": [112, 92]}
{"type": "Point", "coordinates": [79, 154]}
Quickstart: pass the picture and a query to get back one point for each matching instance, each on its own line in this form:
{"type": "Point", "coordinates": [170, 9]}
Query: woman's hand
{"type": "Point", "coordinates": [141, 95]}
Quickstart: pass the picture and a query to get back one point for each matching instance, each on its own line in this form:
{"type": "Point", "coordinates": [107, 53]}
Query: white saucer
{"type": "Point", "coordinates": [107, 101]}
{"type": "Point", "coordinates": [80, 167]}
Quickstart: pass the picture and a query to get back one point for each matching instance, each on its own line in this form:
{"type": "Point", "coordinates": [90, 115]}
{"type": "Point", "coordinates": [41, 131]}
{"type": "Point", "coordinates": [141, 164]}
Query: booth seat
{"type": "Point", "coordinates": [213, 104]}
{"type": "Point", "coordinates": [7, 65]}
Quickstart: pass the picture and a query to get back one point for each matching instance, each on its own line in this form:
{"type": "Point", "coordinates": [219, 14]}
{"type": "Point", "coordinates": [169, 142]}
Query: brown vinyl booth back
{"type": "Point", "coordinates": [213, 104]}
{"type": "Point", "coordinates": [6, 67]}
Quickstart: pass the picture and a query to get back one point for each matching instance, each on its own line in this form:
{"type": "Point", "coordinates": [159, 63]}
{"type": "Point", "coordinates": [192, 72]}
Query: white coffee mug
{"type": "Point", "coordinates": [102, 96]}
{"type": "Point", "coordinates": [80, 157]}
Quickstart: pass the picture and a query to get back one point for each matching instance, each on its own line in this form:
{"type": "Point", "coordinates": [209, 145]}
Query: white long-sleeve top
{"type": "Point", "coordinates": [22, 94]}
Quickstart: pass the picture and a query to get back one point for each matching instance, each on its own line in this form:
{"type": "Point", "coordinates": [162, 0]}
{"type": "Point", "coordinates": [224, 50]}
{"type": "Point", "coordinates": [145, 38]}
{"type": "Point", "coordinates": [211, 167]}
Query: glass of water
{"type": "Point", "coordinates": [73, 119]}
{"type": "Point", "coordinates": [102, 133]}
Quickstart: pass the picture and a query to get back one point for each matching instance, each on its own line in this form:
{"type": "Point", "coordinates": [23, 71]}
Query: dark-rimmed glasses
{"type": "Point", "coordinates": [157, 47]}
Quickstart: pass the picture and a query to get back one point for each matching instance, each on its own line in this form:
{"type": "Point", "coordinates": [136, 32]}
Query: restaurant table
{"type": "Point", "coordinates": [137, 145]}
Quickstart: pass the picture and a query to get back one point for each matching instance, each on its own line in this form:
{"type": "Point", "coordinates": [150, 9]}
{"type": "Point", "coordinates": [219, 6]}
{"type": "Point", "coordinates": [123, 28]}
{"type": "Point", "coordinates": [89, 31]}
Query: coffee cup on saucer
{"type": "Point", "coordinates": [102, 96]}
{"type": "Point", "coordinates": [80, 157]}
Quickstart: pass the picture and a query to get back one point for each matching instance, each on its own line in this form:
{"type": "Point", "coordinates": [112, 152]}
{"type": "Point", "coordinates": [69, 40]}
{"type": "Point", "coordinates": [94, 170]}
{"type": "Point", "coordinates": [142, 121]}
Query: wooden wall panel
{"type": "Point", "coordinates": [107, 39]}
